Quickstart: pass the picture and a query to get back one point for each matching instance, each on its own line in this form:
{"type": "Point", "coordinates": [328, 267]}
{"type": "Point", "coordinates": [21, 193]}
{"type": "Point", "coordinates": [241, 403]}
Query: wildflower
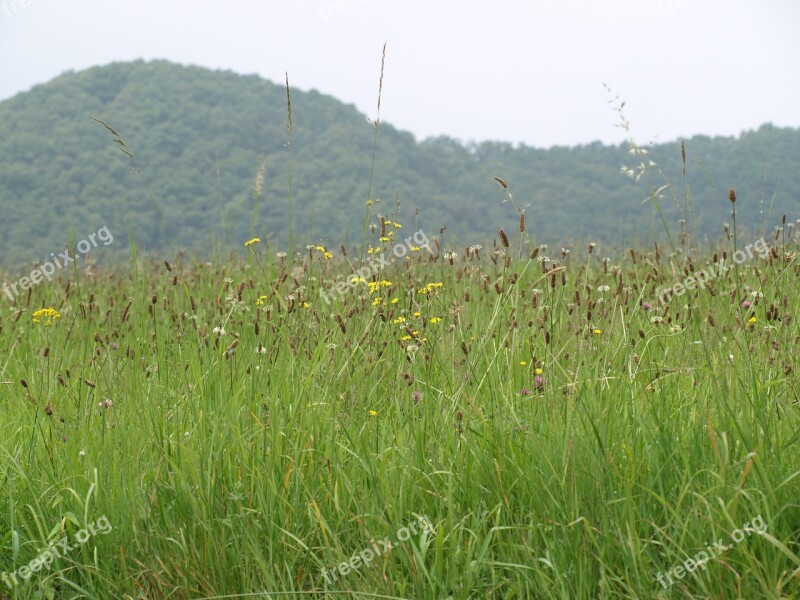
{"type": "Point", "coordinates": [398, 320]}
{"type": "Point", "coordinates": [405, 338]}
{"type": "Point", "coordinates": [321, 249]}
{"type": "Point", "coordinates": [396, 225]}
{"type": "Point", "coordinates": [415, 248]}
{"type": "Point", "coordinates": [377, 301]}
{"type": "Point", "coordinates": [105, 403]}
{"type": "Point", "coordinates": [369, 202]}
{"type": "Point", "coordinates": [395, 300]}
{"type": "Point", "coordinates": [538, 371]}
{"type": "Point", "coordinates": [597, 331]}
{"type": "Point", "coordinates": [417, 314]}
{"type": "Point", "coordinates": [416, 395]}
{"type": "Point", "coordinates": [539, 382]}
{"type": "Point", "coordinates": [328, 255]}
{"type": "Point", "coordinates": [358, 280]}
{"type": "Point", "coordinates": [281, 255]}
{"type": "Point", "coordinates": [647, 305]}
{"type": "Point", "coordinates": [430, 287]}
{"type": "Point", "coordinates": [252, 241]}
{"type": "Point", "coordinates": [219, 330]}
{"type": "Point", "coordinates": [603, 288]}
{"type": "Point", "coordinates": [524, 392]}
{"type": "Point", "coordinates": [752, 320]}
{"type": "Point", "coordinates": [746, 304]}
{"type": "Point", "coordinates": [46, 316]}
{"type": "Point", "coordinates": [260, 300]}
{"type": "Point", "coordinates": [373, 413]}
{"type": "Point", "coordinates": [435, 320]}
{"type": "Point", "coordinates": [523, 363]}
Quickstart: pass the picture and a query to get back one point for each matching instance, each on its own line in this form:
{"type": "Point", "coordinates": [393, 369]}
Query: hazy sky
{"type": "Point", "coordinates": [509, 70]}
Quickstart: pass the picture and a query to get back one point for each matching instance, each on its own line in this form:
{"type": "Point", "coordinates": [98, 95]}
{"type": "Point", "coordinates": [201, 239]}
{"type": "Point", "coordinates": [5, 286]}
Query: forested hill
{"type": "Point", "coordinates": [199, 139]}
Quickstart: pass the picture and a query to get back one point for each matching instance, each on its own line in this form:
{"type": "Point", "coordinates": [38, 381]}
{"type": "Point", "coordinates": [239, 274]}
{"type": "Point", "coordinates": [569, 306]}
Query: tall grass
{"type": "Point", "coordinates": [565, 434]}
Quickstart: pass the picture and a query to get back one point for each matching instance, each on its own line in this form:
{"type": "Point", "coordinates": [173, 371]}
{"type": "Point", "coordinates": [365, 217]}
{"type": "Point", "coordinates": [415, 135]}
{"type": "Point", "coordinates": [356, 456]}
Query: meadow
{"type": "Point", "coordinates": [409, 417]}
{"type": "Point", "coordinates": [513, 421]}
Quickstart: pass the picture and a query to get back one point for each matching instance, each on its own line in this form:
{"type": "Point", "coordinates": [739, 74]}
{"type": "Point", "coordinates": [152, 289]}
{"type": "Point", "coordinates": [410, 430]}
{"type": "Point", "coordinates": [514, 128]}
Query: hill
{"type": "Point", "coordinates": [200, 137]}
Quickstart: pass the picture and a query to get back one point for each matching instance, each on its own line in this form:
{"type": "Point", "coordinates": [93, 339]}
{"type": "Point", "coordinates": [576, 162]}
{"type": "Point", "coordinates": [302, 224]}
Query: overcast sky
{"type": "Point", "coordinates": [508, 70]}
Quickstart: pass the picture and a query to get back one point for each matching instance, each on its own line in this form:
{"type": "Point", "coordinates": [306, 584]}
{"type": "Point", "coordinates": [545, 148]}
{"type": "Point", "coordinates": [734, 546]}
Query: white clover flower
{"type": "Point", "coordinates": [603, 288]}
{"type": "Point", "coordinates": [219, 330]}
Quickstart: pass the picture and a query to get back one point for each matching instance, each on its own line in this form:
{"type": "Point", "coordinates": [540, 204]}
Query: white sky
{"type": "Point", "coordinates": [508, 70]}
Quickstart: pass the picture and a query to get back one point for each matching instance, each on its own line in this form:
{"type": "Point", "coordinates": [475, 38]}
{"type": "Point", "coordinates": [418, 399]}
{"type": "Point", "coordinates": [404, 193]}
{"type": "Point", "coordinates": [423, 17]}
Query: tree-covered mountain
{"type": "Point", "coordinates": [199, 139]}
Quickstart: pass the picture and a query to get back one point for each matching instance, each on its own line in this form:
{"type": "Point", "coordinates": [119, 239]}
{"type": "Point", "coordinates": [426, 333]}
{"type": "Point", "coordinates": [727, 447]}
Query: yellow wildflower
{"type": "Point", "coordinates": [252, 241]}
{"type": "Point", "coordinates": [46, 316]}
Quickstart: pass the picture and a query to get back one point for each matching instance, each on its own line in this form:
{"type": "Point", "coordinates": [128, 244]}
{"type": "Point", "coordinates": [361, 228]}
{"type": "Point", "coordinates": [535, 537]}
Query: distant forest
{"type": "Point", "coordinates": [199, 140]}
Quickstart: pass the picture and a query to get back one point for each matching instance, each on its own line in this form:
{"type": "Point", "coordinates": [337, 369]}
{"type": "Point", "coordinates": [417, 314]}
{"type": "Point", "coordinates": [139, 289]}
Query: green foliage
{"type": "Point", "coordinates": [199, 138]}
{"type": "Point", "coordinates": [564, 437]}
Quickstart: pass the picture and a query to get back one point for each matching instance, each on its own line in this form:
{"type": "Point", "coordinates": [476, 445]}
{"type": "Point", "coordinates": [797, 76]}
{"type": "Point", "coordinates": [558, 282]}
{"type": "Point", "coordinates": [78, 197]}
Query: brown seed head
{"type": "Point", "coordinates": [504, 238]}
{"type": "Point", "coordinates": [732, 195]}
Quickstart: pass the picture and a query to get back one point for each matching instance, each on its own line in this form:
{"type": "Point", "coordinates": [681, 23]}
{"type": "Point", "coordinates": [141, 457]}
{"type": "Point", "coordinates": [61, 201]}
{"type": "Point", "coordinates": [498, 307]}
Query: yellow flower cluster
{"type": "Point", "coordinates": [46, 316]}
{"type": "Point", "coordinates": [375, 285]}
{"type": "Point", "coordinates": [431, 287]}
{"type": "Point", "coordinates": [324, 251]}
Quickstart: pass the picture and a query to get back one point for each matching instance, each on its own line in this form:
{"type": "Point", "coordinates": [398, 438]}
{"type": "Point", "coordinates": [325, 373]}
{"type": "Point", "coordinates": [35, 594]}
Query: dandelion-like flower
{"type": "Point", "coordinates": [252, 241]}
